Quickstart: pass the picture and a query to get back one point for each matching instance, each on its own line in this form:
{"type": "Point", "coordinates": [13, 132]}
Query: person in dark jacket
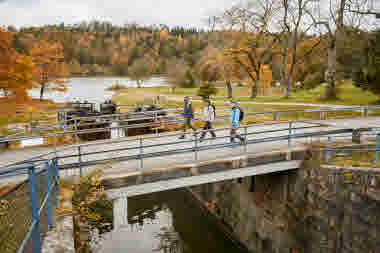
{"type": "Point", "coordinates": [188, 115]}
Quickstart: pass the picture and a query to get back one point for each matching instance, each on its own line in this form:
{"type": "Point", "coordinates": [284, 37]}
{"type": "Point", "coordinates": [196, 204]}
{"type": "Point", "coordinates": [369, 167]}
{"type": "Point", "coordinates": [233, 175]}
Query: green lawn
{"type": "Point", "coordinates": [348, 94]}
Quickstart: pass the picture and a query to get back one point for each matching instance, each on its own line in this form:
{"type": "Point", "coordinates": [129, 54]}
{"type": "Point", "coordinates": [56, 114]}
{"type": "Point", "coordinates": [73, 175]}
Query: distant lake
{"type": "Point", "coordinates": [92, 89]}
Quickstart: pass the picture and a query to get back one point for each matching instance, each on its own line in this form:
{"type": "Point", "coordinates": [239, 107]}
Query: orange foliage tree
{"type": "Point", "coordinates": [16, 70]}
{"type": "Point", "coordinates": [51, 69]}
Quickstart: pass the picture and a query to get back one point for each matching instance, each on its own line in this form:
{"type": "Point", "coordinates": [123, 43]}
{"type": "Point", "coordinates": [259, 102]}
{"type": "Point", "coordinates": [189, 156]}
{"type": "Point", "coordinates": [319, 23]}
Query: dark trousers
{"type": "Point", "coordinates": [208, 126]}
{"type": "Point", "coordinates": [186, 124]}
{"type": "Point", "coordinates": [234, 135]}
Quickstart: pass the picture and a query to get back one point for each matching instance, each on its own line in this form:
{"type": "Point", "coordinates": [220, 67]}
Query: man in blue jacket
{"type": "Point", "coordinates": [188, 115]}
{"type": "Point", "coordinates": [234, 121]}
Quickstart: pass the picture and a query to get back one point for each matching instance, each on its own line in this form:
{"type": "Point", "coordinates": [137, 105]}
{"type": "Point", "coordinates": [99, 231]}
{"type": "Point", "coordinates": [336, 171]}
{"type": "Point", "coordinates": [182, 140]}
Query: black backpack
{"type": "Point", "coordinates": [213, 107]}
{"type": "Point", "coordinates": [241, 115]}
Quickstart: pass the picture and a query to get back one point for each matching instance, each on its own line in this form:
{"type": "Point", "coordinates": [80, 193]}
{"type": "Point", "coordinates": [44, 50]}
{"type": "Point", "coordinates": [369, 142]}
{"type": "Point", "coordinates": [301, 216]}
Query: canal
{"type": "Point", "coordinates": [168, 222]}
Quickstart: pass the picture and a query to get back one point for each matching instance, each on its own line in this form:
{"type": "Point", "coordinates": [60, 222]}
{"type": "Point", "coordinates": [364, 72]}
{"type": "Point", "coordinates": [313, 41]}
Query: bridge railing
{"type": "Point", "coordinates": [58, 129]}
{"type": "Point", "coordinates": [27, 207]}
{"type": "Point", "coordinates": [140, 149]}
{"type": "Point", "coordinates": [370, 153]}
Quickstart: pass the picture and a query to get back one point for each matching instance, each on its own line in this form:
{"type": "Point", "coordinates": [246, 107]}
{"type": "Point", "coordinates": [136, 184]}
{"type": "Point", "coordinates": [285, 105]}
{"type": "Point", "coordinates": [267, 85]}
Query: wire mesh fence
{"type": "Point", "coordinates": [21, 229]}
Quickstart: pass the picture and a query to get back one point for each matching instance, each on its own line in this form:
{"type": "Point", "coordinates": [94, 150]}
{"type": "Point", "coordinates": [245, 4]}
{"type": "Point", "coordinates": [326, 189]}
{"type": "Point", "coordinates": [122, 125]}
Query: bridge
{"type": "Point", "coordinates": [145, 164]}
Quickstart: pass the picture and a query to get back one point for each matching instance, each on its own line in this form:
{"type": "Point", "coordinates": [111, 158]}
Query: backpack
{"type": "Point", "coordinates": [241, 115]}
{"type": "Point", "coordinates": [213, 107]}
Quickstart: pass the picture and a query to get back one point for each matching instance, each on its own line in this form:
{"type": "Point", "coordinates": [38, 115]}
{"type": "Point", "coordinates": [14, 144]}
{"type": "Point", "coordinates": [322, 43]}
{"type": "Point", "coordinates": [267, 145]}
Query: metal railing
{"type": "Point", "coordinates": [59, 128]}
{"type": "Point", "coordinates": [28, 208]}
{"type": "Point", "coordinates": [329, 151]}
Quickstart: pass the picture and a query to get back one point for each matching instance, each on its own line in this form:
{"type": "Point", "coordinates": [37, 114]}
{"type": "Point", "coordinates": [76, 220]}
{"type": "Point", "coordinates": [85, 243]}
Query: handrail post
{"type": "Point", "coordinates": [327, 153]}
{"type": "Point", "coordinates": [80, 161]}
{"type": "Point", "coordinates": [196, 148]}
{"type": "Point", "coordinates": [76, 130]}
{"type": "Point", "coordinates": [55, 182]}
{"type": "Point", "coordinates": [49, 201]}
{"type": "Point", "coordinates": [141, 154]}
{"type": "Point", "coordinates": [246, 139]}
{"type": "Point", "coordinates": [36, 240]}
{"type": "Point", "coordinates": [289, 155]}
{"type": "Point", "coordinates": [376, 160]}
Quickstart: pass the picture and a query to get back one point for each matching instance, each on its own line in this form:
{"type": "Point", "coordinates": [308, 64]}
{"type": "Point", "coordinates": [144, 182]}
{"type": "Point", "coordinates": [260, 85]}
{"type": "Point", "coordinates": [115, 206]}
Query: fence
{"type": "Point", "coordinates": [27, 208]}
{"type": "Point", "coordinates": [329, 152]}
{"type": "Point", "coordinates": [60, 130]}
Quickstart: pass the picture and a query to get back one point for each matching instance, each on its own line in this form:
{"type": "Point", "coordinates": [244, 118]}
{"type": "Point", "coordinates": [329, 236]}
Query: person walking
{"type": "Point", "coordinates": [188, 115]}
{"type": "Point", "coordinates": [235, 119]}
{"type": "Point", "coordinates": [208, 118]}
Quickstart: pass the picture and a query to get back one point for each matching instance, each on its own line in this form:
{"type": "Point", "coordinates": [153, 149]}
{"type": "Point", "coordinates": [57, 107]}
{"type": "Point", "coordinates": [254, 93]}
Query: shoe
{"type": "Point", "coordinates": [181, 137]}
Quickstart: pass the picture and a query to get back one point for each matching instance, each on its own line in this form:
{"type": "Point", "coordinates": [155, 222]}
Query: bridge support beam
{"type": "Point", "coordinates": [120, 212]}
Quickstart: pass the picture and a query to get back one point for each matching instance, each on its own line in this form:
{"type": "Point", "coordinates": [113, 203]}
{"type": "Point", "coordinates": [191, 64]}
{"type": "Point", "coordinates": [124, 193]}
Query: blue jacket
{"type": "Point", "coordinates": [235, 116]}
{"type": "Point", "coordinates": [188, 111]}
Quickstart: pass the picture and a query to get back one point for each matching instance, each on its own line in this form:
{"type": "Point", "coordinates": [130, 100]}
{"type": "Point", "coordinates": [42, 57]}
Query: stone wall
{"type": "Point", "coordinates": [313, 209]}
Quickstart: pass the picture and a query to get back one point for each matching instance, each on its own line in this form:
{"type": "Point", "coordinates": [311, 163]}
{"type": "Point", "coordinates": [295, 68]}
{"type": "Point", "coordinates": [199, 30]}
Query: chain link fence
{"type": "Point", "coordinates": [17, 231]}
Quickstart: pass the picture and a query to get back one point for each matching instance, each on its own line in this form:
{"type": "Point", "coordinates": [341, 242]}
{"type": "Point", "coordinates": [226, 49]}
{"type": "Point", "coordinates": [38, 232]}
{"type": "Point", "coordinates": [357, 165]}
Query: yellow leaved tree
{"type": "Point", "coordinates": [51, 69]}
{"type": "Point", "coordinates": [16, 70]}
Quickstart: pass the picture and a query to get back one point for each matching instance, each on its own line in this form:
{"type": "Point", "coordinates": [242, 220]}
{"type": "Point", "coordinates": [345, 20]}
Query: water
{"type": "Point", "coordinates": [92, 89]}
{"type": "Point", "coordinates": [167, 222]}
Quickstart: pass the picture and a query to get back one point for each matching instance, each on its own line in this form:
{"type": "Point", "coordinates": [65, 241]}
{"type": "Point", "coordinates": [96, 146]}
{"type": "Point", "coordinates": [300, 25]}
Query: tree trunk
{"type": "Point", "coordinates": [229, 88]}
{"type": "Point", "coordinates": [254, 89]}
{"type": "Point", "coordinates": [330, 93]}
{"type": "Point", "coordinates": [42, 91]}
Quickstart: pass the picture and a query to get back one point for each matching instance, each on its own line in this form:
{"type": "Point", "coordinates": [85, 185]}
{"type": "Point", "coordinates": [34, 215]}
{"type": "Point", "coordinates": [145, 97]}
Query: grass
{"type": "Point", "coordinates": [356, 159]}
{"type": "Point", "coordinates": [13, 111]}
{"type": "Point", "coordinates": [348, 94]}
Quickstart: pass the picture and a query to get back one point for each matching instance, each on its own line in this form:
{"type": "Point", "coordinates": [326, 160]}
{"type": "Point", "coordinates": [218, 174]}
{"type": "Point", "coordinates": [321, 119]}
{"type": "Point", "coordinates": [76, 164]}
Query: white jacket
{"type": "Point", "coordinates": [208, 113]}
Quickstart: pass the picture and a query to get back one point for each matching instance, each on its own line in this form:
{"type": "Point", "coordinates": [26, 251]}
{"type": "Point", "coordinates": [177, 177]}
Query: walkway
{"type": "Point", "coordinates": [114, 169]}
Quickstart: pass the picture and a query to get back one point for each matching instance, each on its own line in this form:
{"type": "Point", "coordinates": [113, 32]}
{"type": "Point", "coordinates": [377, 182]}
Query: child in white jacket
{"type": "Point", "coordinates": [208, 117]}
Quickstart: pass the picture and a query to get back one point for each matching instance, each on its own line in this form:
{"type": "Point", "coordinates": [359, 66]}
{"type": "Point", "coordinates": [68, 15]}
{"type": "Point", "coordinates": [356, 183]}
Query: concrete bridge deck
{"type": "Point", "coordinates": [134, 166]}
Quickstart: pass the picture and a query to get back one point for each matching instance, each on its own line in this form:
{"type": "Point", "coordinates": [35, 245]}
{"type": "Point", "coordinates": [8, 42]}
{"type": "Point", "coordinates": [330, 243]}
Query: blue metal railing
{"type": "Point", "coordinates": [328, 151]}
{"type": "Point", "coordinates": [41, 194]}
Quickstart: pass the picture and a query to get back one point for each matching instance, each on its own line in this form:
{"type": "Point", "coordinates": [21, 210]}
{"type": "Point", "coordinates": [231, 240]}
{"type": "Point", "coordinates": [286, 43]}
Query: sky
{"type": "Point", "coordinates": [189, 13]}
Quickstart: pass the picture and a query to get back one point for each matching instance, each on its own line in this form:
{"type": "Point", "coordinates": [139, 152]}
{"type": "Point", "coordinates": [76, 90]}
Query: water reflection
{"type": "Point", "coordinates": [167, 222]}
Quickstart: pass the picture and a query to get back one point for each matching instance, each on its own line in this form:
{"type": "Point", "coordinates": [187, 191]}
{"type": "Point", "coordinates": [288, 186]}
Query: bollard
{"type": "Point", "coordinates": [48, 190]}
{"type": "Point", "coordinates": [276, 116]}
{"type": "Point", "coordinates": [141, 154]}
{"type": "Point", "coordinates": [36, 240]}
{"type": "Point", "coordinates": [327, 153]}
{"type": "Point", "coordinates": [376, 160]}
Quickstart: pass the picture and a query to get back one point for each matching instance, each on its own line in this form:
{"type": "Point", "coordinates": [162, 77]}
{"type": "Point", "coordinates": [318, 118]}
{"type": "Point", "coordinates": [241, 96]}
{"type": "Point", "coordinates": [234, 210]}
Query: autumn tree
{"type": "Point", "coordinates": [16, 70]}
{"type": "Point", "coordinates": [51, 69]}
{"type": "Point", "coordinates": [221, 65]}
{"type": "Point", "coordinates": [140, 71]}
{"type": "Point", "coordinates": [254, 46]}
{"type": "Point", "coordinates": [367, 76]}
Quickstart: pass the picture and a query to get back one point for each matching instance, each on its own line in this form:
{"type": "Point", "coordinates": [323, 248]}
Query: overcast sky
{"type": "Point", "coordinates": [171, 12]}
